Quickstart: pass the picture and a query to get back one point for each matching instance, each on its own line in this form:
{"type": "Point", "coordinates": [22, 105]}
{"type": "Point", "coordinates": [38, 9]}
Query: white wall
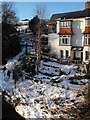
{"type": "Point", "coordinates": [86, 48]}
{"type": "Point", "coordinates": [78, 26]}
{"type": "Point", "coordinates": [53, 41]}
{"type": "Point", "coordinates": [58, 27]}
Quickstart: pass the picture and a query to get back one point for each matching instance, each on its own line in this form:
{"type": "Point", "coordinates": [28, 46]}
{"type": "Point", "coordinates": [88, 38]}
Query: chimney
{"type": "Point", "coordinates": [87, 4]}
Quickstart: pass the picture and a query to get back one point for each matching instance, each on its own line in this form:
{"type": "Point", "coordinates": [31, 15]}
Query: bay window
{"type": "Point", "coordinates": [64, 40]}
{"type": "Point", "coordinates": [65, 24]}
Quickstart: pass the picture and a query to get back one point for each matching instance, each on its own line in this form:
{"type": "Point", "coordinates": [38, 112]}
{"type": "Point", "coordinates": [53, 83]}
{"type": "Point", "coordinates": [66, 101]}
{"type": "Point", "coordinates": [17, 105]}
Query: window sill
{"type": "Point", "coordinates": [87, 45]}
{"type": "Point", "coordinates": [64, 45]}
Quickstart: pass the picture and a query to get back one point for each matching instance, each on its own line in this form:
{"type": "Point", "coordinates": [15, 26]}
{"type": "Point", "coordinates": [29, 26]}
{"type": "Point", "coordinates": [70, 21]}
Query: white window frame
{"type": "Point", "coordinates": [87, 22]}
{"type": "Point", "coordinates": [67, 55]}
{"type": "Point", "coordinates": [87, 39]}
{"type": "Point", "coordinates": [65, 24]}
{"type": "Point", "coordinates": [64, 40]}
{"type": "Point", "coordinates": [86, 55]}
{"type": "Point", "coordinates": [61, 24]}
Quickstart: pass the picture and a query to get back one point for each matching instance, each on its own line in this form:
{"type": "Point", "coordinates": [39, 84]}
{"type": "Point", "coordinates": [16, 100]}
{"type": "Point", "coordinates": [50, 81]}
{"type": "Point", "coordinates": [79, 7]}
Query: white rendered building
{"type": "Point", "coordinates": [72, 37]}
{"type": "Point", "coordinates": [23, 26]}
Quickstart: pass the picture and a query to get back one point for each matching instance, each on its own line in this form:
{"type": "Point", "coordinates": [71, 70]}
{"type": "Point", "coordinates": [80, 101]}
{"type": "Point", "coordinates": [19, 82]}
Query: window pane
{"type": "Point", "coordinates": [66, 24]}
{"type": "Point", "coordinates": [64, 36]}
{"type": "Point", "coordinates": [87, 22]}
{"type": "Point", "coordinates": [85, 42]}
{"type": "Point", "coordinates": [85, 35]}
{"type": "Point", "coordinates": [67, 53]}
{"type": "Point", "coordinates": [69, 23]}
{"type": "Point", "coordinates": [63, 24]}
{"type": "Point", "coordinates": [63, 40]}
{"type": "Point", "coordinates": [87, 55]}
{"type": "Point", "coordinates": [61, 52]}
{"type": "Point", "coordinates": [60, 41]}
{"type": "Point", "coordinates": [89, 41]}
{"type": "Point", "coordinates": [66, 41]}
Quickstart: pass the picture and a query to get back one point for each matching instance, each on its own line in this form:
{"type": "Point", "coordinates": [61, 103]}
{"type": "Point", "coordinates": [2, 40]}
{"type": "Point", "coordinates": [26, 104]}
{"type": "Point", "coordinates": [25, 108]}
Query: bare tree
{"type": "Point", "coordinates": [40, 11]}
{"type": "Point", "coordinates": [0, 13]}
{"type": "Point", "coordinates": [8, 13]}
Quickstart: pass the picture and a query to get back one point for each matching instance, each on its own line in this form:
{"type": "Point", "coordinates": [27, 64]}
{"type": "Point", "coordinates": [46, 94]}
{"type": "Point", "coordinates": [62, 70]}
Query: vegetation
{"type": "Point", "coordinates": [33, 24]}
{"type": "Point", "coordinates": [10, 43]}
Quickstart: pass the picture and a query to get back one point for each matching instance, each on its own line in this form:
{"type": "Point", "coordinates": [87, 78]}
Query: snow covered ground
{"type": "Point", "coordinates": [46, 95]}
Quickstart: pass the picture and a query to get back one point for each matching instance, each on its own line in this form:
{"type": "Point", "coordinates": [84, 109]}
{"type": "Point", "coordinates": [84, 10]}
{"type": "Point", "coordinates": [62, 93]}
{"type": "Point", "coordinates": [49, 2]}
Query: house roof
{"type": "Point", "coordinates": [87, 30]}
{"type": "Point", "coordinates": [71, 15]}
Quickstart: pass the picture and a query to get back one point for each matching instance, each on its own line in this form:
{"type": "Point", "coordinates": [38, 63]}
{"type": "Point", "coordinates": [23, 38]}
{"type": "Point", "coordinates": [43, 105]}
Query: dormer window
{"type": "Point", "coordinates": [65, 24]}
{"type": "Point", "coordinates": [64, 40]}
{"type": "Point", "coordinates": [87, 23]}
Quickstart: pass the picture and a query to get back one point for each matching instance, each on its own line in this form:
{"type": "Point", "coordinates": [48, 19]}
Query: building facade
{"type": "Point", "coordinates": [72, 37]}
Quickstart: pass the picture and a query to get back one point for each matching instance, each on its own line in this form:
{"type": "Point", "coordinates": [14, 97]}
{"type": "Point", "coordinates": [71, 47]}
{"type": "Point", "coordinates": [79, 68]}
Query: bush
{"type": "Point", "coordinates": [10, 44]}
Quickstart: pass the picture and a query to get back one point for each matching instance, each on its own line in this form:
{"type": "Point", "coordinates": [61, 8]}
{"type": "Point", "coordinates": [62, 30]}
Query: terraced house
{"type": "Point", "coordinates": [72, 37]}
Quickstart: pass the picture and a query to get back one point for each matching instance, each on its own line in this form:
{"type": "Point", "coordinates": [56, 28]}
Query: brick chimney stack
{"type": "Point", "coordinates": [87, 4]}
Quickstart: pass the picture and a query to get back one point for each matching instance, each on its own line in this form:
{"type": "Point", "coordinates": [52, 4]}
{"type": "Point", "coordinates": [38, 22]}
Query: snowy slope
{"type": "Point", "coordinates": [43, 96]}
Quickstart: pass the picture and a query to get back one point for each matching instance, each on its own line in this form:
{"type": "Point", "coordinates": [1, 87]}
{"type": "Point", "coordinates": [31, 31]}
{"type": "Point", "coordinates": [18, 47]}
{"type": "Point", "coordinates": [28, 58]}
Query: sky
{"type": "Point", "coordinates": [26, 10]}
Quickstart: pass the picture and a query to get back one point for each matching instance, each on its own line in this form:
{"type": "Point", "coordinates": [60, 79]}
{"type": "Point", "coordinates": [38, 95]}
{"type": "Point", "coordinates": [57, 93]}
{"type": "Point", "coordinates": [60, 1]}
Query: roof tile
{"type": "Point", "coordinates": [65, 31]}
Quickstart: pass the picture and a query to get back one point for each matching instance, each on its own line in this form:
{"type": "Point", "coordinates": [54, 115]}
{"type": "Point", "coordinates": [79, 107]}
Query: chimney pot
{"type": "Point", "coordinates": [87, 4]}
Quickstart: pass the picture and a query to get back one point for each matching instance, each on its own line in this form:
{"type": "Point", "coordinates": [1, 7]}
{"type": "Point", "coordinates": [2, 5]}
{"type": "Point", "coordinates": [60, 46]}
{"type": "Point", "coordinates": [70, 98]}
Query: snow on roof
{"type": "Point", "coordinates": [23, 22]}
